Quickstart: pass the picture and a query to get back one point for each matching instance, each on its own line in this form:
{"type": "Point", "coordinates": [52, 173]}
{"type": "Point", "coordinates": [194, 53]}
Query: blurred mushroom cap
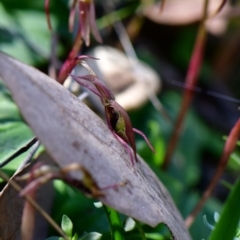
{"type": "Point", "coordinates": [184, 12]}
{"type": "Point", "coordinates": [131, 81]}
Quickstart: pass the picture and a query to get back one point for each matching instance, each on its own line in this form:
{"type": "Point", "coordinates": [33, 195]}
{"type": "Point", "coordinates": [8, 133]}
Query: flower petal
{"type": "Point", "coordinates": [72, 15]}
{"type": "Point", "coordinates": [84, 21]}
{"type": "Point", "coordinates": [102, 88]}
{"type": "Point", "coordinates": [145, 138]}
{"type": "Point", "coordinates": [87, 84]}
{"type": "Point", "coordinates": [128, 126]}
{"type": "Point", "coordinates": [93, 24]}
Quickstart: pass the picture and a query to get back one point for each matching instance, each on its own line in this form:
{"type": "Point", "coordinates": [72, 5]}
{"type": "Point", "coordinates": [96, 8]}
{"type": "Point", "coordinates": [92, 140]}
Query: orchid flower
{"type": "Point", "coordinates": [117, 118]}
{"type": "Point", "coordinates": [86, 16]}
{"type": "Point", "coordinates": [87, 21]}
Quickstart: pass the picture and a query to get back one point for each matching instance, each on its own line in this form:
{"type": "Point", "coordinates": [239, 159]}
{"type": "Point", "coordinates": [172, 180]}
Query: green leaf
{"type": "Point", "coordinates": [205, 221]}
{"type": "Point", "coordinates": [21, 31]}
{"type": "Point", "coordinates": [115, 223]}
{"type": "Point", "coordinates": [12, 137]}
{"type": "Point", "coordinates": [91, 236]}
{"type": "Point", "coordinates": [228, 222]}
{"type": "Point", "coordinates": [14, 133]}
{"type": "Point", "coordinates": [234, 161]}
{"type": "Point", "coordinates": [155, 236]}
{"type": "Point", "coordinates": [67, 226]}
{"type": "Point", "coordinates": [216, 216]}
{"type": "Point", "coordinates": [226, 184]}
{"type": "Point", "coordinates": [67, 200]}
{"type": "Point", "coordinates": [75, 237]}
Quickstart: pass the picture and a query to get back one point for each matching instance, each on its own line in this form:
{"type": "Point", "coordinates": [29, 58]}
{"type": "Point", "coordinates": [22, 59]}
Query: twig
{"type": "Point", "coordinates": [46, 6]}
{"type": "Point", "coordinates": [53, 56]}
{"type": "Point", "coordinates": [140, 229]}
{"type": "Point", "coordinates": [19, 152]}
{"type": "Point", "coordinates": [29, 156]}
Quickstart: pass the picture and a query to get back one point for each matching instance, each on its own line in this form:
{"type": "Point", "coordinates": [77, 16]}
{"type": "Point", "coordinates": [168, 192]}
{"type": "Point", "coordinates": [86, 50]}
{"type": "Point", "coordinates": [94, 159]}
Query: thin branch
{"type": "Point", "coordinates": [19, 152]}
{"type": "Point", "coordinates": [29, 156]}
{"type": "Point", "coordinates": [115, 223]}
{"type": "Point", "coordinates": [46, 6]}
{"type": "Point", "coordinates": [140, 229]}
{"type": "Point", "coordinates": [145, 138]}
{"type": "Point", "coordinates": [220, 7]}
{"type": "Point", "coordinates": [52, 72]}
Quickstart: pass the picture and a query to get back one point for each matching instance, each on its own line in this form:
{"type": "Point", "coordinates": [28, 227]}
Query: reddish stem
{"type": "Point", "coordinates": [145, 138]}
{"type": "Point", "coordinates": [191, 80]}
{"type": "Point", "coordinates": [71, 62]}
{"type": "Point", "coordinates": [228, 149]}
{"type": "Point", "coordinates": [128, 148]}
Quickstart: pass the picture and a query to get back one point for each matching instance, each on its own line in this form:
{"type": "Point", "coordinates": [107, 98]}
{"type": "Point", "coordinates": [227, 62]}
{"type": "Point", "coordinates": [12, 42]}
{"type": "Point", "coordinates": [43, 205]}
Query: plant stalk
{"type": "Point", "coordinates": [115, 223]}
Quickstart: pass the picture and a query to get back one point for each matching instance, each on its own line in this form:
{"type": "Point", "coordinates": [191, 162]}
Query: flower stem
{"type": "Point", "coordinates": [140, 229]}
{"type": "Point", "coordinates": [115, 223]}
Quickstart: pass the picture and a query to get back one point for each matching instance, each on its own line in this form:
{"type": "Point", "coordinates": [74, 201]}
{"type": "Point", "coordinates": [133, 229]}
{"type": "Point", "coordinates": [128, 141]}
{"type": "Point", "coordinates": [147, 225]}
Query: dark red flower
{"type": "Point", "coordinates": [87, 19]}
{"type": "Point", "coordinates": [117, 118]}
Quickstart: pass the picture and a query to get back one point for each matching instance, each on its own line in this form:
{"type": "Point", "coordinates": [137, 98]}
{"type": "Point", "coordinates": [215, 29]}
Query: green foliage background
{"type": "Point", "coordinates": [24, 35]}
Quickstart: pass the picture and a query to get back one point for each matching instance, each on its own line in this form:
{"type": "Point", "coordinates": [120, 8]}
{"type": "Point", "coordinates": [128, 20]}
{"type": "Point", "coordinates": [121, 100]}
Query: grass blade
{"type": "Point", "coordinates": [228, 222]}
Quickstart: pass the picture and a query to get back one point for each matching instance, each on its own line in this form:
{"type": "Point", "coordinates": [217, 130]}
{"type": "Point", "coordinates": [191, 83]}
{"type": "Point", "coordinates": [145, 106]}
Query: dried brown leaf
{"type": "Point", "coordinates": [11, 208]}
{"type": "Point", "coordinates": [71, 132]}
